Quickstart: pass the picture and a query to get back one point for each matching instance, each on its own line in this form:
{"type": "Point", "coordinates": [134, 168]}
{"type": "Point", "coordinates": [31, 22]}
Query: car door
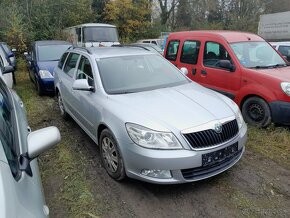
{"type": "Point", "coordinates": [66, 79]}
{"type": "Point", "coordinates": [87, 101]}
{"type": "Point", "coordinates": [211, 75]}
{"type": "Point", "coordinates": [189, 57]}
{"type": "Point", "coordinates": [172, 51]}
{"type": "Point", "coordinates": [21, 193]}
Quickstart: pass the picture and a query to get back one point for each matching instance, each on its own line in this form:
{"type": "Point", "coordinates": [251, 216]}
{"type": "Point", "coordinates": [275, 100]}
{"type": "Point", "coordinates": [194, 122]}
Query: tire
{"type": "Point", "coordinates": [256, 112]}
{"type": "Point", "coordinates": [110, 156]}
{"type": "Point", "coordinates": [63, 113]}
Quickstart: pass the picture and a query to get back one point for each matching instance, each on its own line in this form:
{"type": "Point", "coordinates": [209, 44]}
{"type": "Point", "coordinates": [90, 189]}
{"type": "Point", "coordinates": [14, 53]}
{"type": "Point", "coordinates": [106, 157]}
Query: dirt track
{"type": "Point", "coordinates": [255, 187]}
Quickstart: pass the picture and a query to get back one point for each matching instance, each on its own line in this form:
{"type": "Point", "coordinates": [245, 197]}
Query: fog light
{"type": "Point", "coordinates": [161, 174]}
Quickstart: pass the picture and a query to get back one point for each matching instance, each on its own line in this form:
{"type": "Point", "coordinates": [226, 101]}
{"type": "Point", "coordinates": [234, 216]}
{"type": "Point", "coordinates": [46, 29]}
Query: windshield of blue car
{"type": "Point", "coordinates": [128, 74]}
{"type": "Point", "coordinates": [100, 34]}
{"type": "Point", "coordinates": [257, 55]}
{"type": "Point", "coordinates": [51, 52]}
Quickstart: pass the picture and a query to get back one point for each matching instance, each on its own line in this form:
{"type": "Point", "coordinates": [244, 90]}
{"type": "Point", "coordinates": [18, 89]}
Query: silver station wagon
{"type": "Point", "coordinates": [151, 123]}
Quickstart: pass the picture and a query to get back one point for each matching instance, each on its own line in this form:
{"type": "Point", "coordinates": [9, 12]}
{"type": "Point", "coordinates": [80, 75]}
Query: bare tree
{"type": "Point", "coordinates": [167, 7]}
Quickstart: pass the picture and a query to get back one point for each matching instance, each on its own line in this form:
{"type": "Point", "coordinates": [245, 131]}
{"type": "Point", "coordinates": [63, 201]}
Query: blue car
{"type": "Point", "coordinates": [42, 60]}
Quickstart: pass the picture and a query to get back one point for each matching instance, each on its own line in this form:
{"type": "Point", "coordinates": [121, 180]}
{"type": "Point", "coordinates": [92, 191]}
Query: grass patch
{"type": "Point", "coordinates": [272, 142]}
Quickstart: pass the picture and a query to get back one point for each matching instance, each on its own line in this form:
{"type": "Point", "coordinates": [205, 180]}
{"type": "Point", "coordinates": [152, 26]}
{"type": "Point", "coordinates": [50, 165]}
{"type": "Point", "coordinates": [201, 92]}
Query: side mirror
{"type": "Point", "coordinates": [8, 69]}
{"type": "Point", "coordinates": [10, 55]}
{"type": "Point", "coordinates": [184, 71]}
{"type": "Point", "coordinates": [226, 64]}
{"type": "Point", "coordinates": [83, 85]}
{"type": "Point", "coordinates": [38, 142]}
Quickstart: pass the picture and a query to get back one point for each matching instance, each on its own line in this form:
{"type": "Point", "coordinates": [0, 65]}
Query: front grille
{"type": "Point", "coordinates": [209, 137]}
{"type": "Point", "coordinates": [195, 173]}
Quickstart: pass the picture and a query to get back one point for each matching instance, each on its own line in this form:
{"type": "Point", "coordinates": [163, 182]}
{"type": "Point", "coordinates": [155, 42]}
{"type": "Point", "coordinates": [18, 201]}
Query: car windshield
{"type": "Point", "coordinates": [128, 74]}
{"type": "Point", "coordinates": [100, 34]}
{"type": "Point", "coordinates": [257, 55]}
{"type": "Point", "coordinates": [51, 52]}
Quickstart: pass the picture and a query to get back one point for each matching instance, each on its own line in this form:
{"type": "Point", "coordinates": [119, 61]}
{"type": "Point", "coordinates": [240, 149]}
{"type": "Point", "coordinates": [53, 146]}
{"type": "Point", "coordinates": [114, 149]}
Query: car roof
{"type": "Point", "coordinates": [93, 25]}
{"type": "Point", "coordinates": [52, 42]}
{"type": "Point", "coordinates": [105, 52]}
{"type": "Point", "coordinates": [229, 36]}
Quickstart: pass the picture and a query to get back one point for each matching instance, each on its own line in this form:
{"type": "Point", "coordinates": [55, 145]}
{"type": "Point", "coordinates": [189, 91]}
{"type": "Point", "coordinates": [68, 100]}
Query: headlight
{"type": "Point", "coordinates": [44, 74]}
{"type": "Point", "coordinates": [239, 118]}
{"type": "Point", "coordinates": [152, 139]}
{"type": "Point", "coordinates": [285, 86]}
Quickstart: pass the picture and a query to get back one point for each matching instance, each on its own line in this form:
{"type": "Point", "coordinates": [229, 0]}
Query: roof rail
{"type": "Point", "coordinates": [137, 46]}
{"type": "Point", "coordinates": [80, 48]}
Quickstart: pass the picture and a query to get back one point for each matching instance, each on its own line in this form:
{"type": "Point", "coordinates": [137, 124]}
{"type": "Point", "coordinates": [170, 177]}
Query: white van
{"type": "Point", "coordinates": [152, 41]}
{"type": "Point", "coordinates": [92, 35]}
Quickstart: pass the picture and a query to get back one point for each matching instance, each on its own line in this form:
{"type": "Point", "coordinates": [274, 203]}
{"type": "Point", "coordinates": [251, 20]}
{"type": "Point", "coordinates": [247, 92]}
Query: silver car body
{"type": "Point", "coordinates": [8, 78]}
{"type": "Point", "coordinates": [181, 109]}
{"type": "Point", "coordinates": [21, 195]}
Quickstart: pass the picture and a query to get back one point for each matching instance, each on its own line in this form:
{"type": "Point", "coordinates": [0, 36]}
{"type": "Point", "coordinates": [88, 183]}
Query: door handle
{"type": "Point", "coordinates": [203, 72]}
{"type": "Point", "coordinates": [193, 71]}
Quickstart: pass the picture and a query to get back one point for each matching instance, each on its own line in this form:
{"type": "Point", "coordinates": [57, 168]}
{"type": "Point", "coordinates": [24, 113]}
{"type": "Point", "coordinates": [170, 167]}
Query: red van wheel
{"type": "Point", "coordinates": [256, 112]}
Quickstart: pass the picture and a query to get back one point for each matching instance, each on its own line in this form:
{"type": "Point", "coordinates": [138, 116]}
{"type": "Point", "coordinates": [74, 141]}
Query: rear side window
{"type": "Point", "coordinates": [284, 50]}
{"type": "Point", "coordinates": [70, 64]}
{"type": "Point", "coordinates": [190, 51]}
{"type": "Point", "coordinates": [172, 49]}
{"type": "Point", "coordinates": [213, 53]}
{"type": "Point", "coordinates": [62, 60]}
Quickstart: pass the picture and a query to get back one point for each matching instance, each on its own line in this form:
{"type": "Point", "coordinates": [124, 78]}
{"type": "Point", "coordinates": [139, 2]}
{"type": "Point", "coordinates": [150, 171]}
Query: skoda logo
{"type": "Point", "coordinates": [218, 127]}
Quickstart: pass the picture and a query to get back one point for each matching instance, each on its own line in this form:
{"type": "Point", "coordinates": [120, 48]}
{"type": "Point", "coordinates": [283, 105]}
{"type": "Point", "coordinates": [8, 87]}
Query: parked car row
{"type": "Point", "coordinates": [7, 64]}
{"type": "Point", "coordinates": [20, 184]}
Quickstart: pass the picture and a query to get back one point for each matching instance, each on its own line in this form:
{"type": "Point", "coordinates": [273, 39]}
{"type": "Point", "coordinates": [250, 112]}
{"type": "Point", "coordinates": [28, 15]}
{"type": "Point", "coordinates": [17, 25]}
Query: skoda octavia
{"type": "Point", "coordinates": [150, 121]}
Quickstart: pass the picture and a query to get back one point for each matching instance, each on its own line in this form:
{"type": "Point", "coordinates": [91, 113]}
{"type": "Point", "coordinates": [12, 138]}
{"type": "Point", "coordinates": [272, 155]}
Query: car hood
{"type": "Point", "coordinates": [280, 73]}
{"type": "Point", "coordinates": [179, 107]}
{"type": "Point", "coordinates": [47, 65]}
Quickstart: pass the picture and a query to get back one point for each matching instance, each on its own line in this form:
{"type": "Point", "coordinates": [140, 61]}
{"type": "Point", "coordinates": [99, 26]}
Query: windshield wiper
{"type": "Point", "coordinates": [261, 67]}
{"type": "Point", "coordinates": [278, 65]}
{"type": "Point", "coordinates": [121, 93]}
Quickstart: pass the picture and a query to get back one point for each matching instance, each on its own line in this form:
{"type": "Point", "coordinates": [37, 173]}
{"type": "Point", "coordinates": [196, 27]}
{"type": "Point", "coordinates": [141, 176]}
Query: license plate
{"type": "Point", "coordinates": [219, 155]}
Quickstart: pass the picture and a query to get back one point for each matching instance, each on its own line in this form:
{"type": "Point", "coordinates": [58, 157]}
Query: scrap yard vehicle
{"type": "Point", "coordinates": [150, 121]}
{"type": "Point", "coordinates": [92, 35]}
{"type": "Point", "coordinates": [240, 65]}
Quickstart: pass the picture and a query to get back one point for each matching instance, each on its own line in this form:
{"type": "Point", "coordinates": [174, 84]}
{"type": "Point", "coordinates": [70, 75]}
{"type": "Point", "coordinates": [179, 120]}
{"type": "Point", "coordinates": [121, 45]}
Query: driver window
{"type": "Point", "coordinates": [7, 135]}
{"type": "Point", "coordinates": [85, 71]}
{"type": "Point", "coordinates": [213, 53]}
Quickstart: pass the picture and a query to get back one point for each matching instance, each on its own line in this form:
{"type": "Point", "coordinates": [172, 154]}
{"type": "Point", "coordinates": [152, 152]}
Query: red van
{"type": "Point", "coordinates": [242, 66]}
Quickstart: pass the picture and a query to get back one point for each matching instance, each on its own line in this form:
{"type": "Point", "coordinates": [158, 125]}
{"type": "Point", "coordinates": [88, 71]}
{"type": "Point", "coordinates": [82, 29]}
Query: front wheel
{"type": "Point", "coordinates": [111, 156]}
{"type": "Point", "coordinates": [256, 112]}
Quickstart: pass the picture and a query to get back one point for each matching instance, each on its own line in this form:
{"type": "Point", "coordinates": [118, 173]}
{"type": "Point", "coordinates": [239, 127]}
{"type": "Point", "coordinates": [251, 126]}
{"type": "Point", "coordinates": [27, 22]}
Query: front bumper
{"type": "Point", "coordinates": [184, 165]}
{"type": "Point", "coordinates": [47, 85]}
{"type": "Point", "coordinates": [280, 112]}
